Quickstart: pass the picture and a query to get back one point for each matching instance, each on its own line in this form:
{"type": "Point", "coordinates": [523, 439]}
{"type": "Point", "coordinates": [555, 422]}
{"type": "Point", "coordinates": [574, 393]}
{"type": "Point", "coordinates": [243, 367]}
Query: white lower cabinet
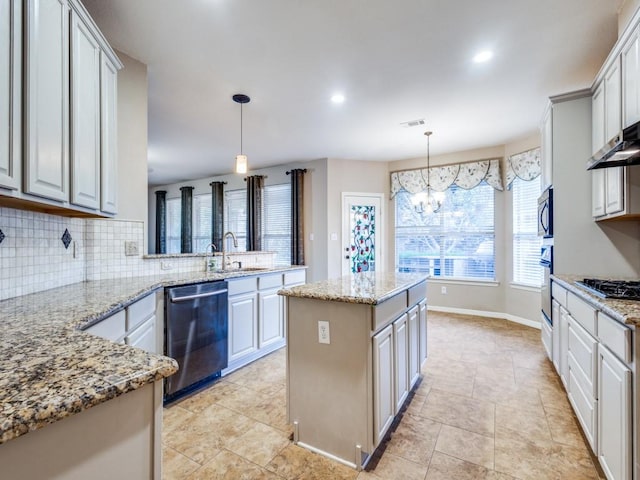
{"type": "Point", "coordinates": [546, 336]}
{"type": "Point", "coordinates": [555, 334]}
{"type": "Point", "coordinates": [270, 314]}
{"type": "Point", "coordinates": [243, 323]}
{"type": "Point", "coordinates": [414, 345]}
{"type": "Point", "coordinates": [423, 331]}
{"type": "Point", "coordinates": [383, 360]}
{"type": "Point", "coordinates": [563, 345]}
{"type": "Point", "coordinates": [144, 336]}
{"type": "Point", "coordinates": [614, 419]}
{"type": "Point", "coordinates": [401, 358]}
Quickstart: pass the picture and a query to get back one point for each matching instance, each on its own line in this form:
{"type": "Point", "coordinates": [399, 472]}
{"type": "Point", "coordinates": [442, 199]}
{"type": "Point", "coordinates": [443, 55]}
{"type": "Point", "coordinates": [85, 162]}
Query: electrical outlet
{"type": "Point", "coordinates": [324, 335]}
{"type": "Point", "coordinates": [443, 290]}
{"type": "Point", "coordinates": [130, 248]}
{"type": "Point", "coordinates": [166, 266]}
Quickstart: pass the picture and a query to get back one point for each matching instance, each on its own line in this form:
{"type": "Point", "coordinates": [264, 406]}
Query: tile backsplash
{"type": "Point", "coordinates": [33, 256]}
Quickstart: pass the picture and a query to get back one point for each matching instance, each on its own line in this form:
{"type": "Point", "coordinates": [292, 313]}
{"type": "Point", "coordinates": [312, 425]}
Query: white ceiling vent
{"type": "Point", "coordinates": [413, 123]}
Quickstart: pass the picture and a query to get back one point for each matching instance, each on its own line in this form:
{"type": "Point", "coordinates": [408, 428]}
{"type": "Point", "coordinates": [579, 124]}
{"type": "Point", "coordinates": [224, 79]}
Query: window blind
{"type": "Point", "coordinates": [455, 242]}
{"type": "Point", "coordinates": [235, 218]}
{"type": "Point", "coordinates": [276, 226]}
{"type": "Point", "coordinates": [526, 243]}
{"type": "Point", "coordinates": [174, 208]}
{"type": "Point", "coordinates": [202, 223]}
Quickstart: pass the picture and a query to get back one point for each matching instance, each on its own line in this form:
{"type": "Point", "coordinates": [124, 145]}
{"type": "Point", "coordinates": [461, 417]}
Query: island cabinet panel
{"type": "Point", "coordinates": [345, 389]}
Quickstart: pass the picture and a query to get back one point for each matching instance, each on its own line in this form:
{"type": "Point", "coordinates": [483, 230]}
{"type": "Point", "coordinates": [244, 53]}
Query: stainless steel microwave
{"type": "Point", "coordinates": [545, 214]}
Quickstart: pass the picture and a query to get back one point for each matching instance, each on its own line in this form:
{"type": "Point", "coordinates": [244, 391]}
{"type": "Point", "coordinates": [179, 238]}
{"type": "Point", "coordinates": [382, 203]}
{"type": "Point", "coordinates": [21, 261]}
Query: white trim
{"type": "Point", "coordinates": [522, 286]}
{"type": "Point", "coordinates": [462, 281]}
{"type": "Point", "coordinates": [328, 455]}
{"type": "Point", "coordinates": [482, 313]}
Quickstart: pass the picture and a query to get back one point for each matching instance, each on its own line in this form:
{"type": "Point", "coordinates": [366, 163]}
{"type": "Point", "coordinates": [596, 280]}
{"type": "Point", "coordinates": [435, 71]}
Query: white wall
{"type": "Point", "coordinates": [132, 140]}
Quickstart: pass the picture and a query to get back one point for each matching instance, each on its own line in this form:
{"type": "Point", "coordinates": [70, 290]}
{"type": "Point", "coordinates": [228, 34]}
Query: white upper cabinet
{"type": "Point", "coordinates": [10, 89]}
{"type": "Point", "coordinates": [547, 148]}
{"type": "Point", "coordinates": [613, 101]}
{"type": "Point", "coordinates": [47, 99]}
{"type": "Point", "coordinates": [85, 115]}
{"type": "Point", "coordinates": [597, 118]}
{"type": "Point", "coordinates": [631, 79]}
{"type": "Point", "coordinates": [109, 135]}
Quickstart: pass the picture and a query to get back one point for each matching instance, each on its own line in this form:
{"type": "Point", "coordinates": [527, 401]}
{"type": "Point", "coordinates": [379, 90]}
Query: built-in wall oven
{"type": "Point", "coordinates": [545, 230]}
{"type": "Point", "coordinates": [196, 335]}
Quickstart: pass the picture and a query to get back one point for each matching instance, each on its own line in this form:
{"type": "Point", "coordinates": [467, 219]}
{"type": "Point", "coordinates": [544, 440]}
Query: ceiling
{"type": "Point", "coordinates": [394, 61]}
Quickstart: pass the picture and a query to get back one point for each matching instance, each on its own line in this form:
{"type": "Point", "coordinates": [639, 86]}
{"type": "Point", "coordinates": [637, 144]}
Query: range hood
{"type": "Point", "coordinates": [619, 152]}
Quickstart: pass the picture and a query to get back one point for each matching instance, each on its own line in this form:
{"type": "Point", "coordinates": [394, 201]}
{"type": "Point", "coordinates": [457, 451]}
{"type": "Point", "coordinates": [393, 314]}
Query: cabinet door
{"type": "Point", "coordinates": [547, 148]}
{"type": "Point", "coordinates": [563, 345]}
{"type": "Point", "coordinates": [614, 418]}
{"type": "Point", "coordinates": [243, 325]}
{"type": "Point", "coordinates": [613, 102]}
{"type": "Point", "coordinates": [47, 99]}
{"type": "Point", "coordinates": [10, 92]}
{"type": "Point", "coordinates": [401, 370]}
{"type": "Point", "coordinates": [555, 334]}
{"type": "Point", "coordinates": [631, 80]}
{"type": "Point", "coordinates": [423, 331]}
{"type": "Point", "coordinates": [614, 190]}
{"type": "Point", "coordinates": [270, 313]}
{"type": "Point", "coordinates": [383, 406]}
{"type": "Point", "coordinates": [108, 136]}
{"type": "Point", "coordinates": [597, 119]}
{"type": "Point", "coordinates": [85, 115]}
{"type": "Point", "coordinates": [598, 187]}
{"type": "Point", "coordinates": [414, 345]}
{"type": "Point", "coordinates": [144, 336]}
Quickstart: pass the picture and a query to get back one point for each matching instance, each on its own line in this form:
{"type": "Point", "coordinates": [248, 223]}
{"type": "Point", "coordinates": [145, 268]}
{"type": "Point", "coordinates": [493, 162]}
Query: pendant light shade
{"type": "Point", "coordinates": [241, 159]}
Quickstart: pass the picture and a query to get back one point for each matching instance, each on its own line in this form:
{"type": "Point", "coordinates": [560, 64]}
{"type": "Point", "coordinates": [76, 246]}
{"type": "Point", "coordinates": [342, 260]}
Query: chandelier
{"type": "Point", "coordinates": [427, 201]}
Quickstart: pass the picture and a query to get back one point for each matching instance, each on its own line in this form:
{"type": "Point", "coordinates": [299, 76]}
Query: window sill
{"type": "Point", "coordinates": [462, 281]}
{"type": "Point", "coordinates": [521, 286]}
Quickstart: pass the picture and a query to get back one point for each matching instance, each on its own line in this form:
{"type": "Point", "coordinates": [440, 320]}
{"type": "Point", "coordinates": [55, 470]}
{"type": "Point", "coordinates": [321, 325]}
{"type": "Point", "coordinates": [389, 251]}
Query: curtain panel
{"type": "Point", "coordinates": [525, 165]}
{"type": "Point", "coordinates": [186, 220]}
{"type": "Point", "coordinates": [465, 175]}
{"type": "Point", "coordinates": [217, 213]}
{"type": "Point", "coordinates": [297, 215]}
{"type": "Point", "coordinates": [161, 221]}
{"type": "Point", "coordinates": [255, 193]}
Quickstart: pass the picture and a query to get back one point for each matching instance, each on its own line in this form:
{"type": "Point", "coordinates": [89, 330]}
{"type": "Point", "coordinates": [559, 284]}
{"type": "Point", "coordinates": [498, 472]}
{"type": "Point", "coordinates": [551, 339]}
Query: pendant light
{"type": "Point", "coordinates": [241, 160]}
{"type": "Point", "coordinates": [427, 201]}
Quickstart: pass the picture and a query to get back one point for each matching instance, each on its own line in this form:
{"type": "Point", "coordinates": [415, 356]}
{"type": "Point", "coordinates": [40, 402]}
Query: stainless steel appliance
{"type": "Point", "coordinates": [619, 151]}
{"type": "Point", "coordinates": [545, 213]}
{"type": "Point", "coordinates": [620, 289]}
{"type": "Point", "coordinates": [196, 334]}
{"type": "Point", "coordinates": [546, 260]}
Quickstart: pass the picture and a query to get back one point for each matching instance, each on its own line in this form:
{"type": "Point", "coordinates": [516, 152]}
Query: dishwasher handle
{"type": "Point", "coordinates": [186, 298]}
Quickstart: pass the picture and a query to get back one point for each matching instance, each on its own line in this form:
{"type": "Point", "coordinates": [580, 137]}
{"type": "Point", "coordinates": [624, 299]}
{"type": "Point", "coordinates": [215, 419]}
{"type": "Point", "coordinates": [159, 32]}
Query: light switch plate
{"type": "Point", "coordinates": [324, 335]}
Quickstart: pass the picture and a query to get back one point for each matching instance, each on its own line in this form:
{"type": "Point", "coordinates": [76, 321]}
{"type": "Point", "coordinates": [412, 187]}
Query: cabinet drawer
{"type": "Point", "coordinates": [296, 277]}
{"type": "Point", "coordinates": [582, 312]}
{"type": "Point", "coordinates": [582, 357]}
{"type": "Point", "coordinates": [242, 285]}
{"type": "Point", "coordinates": [111, 328]}
{"type": "Point", "coordinates": [559, 293]}
{"type": "Point", "coordinates": [389, 310]}
{"type": "Point", "coordinates": [139, 311]}
{"type": "Point", "coordinates": [417, 293]}
{"type": "Point", "coordinates": [586, 408]}
{"type": "Point", "coordinates": [270, 281]}
{"type": "Point", "coordinates": [615, 336]}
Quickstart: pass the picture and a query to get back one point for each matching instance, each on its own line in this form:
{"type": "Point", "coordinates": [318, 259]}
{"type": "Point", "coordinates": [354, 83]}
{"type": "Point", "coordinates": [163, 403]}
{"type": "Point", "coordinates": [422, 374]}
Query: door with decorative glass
{"type": "Point", "coordinates": [361, 232]}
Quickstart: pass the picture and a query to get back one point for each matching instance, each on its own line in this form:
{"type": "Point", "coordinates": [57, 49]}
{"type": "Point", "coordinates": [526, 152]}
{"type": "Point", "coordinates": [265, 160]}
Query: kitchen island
{"type": "Point", "coordinates": [355, 346]}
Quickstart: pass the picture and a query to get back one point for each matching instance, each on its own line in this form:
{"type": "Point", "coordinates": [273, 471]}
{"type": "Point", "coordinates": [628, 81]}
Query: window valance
{"type": "Point", "coordinates": [465, 175]}
{"type": "Point", "coordinates": [525, 165]}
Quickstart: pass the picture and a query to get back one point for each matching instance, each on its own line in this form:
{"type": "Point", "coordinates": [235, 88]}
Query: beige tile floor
{"type": "Point", "coordinates": [490, 406]}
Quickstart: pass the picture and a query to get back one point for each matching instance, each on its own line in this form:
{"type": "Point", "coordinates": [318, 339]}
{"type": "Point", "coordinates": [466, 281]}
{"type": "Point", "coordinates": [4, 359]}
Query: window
{"type": "Point", "coordinates": [276, 222]}
{"type": "Point", "coordinates": [201, 222]}
{"type": "Point", "coordinates": [235, 218]}
{"type": "Point", "coordinates": [174, 208]}
{"type": "Point", "coordinates": [455, 242]}
{"type": "Point", "coordinates": [526, 243]}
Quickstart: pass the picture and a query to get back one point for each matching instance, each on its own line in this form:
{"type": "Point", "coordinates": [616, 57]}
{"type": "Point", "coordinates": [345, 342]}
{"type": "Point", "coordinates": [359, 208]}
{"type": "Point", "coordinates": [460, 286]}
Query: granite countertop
{"type": "Point", "coordinates": [51, 369]}
{"type": "Point", "coordinates": [624, 311]}
{"type": "Point", "coordinates": [369, 288]}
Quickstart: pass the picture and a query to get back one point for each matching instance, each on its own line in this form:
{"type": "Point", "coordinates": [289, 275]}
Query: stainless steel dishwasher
{"type": "Point", "coordinates": [196, 335]}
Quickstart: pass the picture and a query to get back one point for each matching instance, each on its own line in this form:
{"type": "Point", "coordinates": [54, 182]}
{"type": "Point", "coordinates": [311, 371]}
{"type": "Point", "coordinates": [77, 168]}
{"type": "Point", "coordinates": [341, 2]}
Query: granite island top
{"type": "Point", "coordinates": [369, 288]}
{"type": "Point", "coordinates": [51, 369]}
{"type": "Point", "coordinates": [624, 311]}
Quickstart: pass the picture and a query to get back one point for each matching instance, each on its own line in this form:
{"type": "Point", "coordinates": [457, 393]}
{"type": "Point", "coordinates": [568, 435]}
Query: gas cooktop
{"type": "Point", "coordinates": [621, 289]}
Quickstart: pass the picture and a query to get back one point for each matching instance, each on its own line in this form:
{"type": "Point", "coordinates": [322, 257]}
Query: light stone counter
{"type": "Point", "coordinates": [50, 369]}
{"type": "Point", "coordinates": [624, 311]}
{"type": "Point", "coordinates": [369, 288]}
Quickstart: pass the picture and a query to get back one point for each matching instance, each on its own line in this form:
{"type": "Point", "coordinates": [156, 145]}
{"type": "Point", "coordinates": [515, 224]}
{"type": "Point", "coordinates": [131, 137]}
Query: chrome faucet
{"type": "Point", "coordinates": [224, 248]}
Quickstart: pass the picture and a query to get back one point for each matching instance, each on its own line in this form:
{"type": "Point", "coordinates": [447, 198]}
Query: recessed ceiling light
{"type": "Point", "coordinates": [483, 56]}
{"type": "Point", "coordinates": [337, 98]}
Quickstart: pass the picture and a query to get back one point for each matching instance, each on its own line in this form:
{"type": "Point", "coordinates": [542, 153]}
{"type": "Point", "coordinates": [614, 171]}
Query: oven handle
{"type": "Point", "coordinates": [186, 298]}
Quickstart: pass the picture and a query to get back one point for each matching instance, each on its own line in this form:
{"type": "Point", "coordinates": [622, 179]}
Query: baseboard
{"type": "Point", "coordinates": [482, 313]}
